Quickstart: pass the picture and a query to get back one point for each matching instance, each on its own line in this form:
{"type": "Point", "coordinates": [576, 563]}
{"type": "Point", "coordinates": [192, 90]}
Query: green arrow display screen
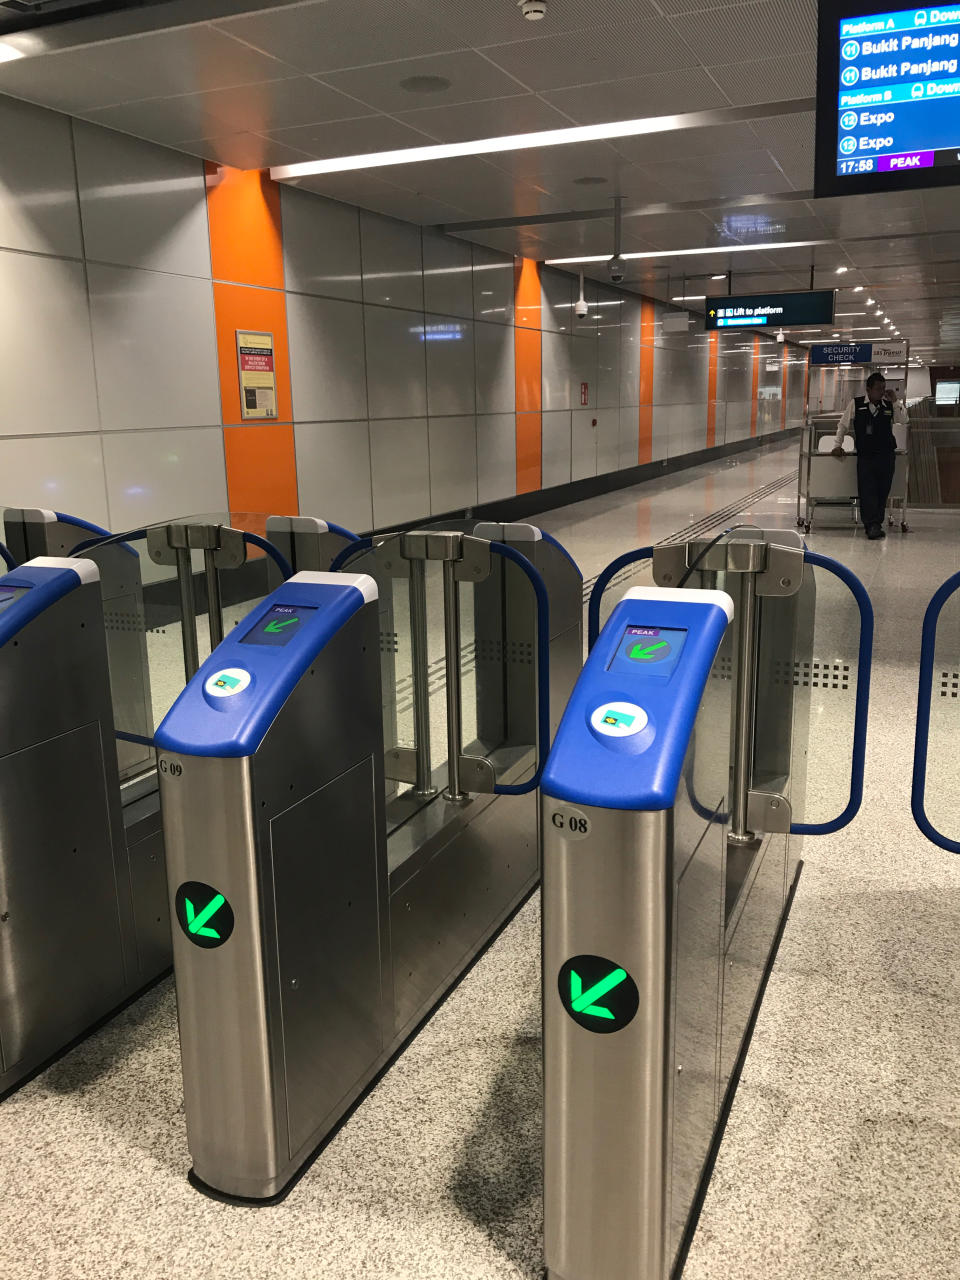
{"type": "Point", "coordinates": [278, 625]}
{"type": "Point", "coordinates": [203, 914]}
{"type": "Point", "coordinates": [597, 993]}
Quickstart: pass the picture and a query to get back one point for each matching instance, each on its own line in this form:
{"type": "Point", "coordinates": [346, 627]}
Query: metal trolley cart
{"type": "Point", "coordinates": [825, 481]}
{"type": "Point", "coordinates": [671, 802]}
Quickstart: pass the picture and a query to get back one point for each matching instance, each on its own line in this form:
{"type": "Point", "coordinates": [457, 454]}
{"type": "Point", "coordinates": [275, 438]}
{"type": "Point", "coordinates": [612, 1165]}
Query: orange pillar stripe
{"type": "Point", "coordinates": [785, 357]}
{"type": "Point", "coordinates": [645, 422]}
{"type": "Point", "coordinates": [246, 255]}
{"type": "Point", "coordinates": [756, 386]}
{"type": "Point", "coordinates": [713, 347]}
{"type": "Point", "coordinates": [529, 371]}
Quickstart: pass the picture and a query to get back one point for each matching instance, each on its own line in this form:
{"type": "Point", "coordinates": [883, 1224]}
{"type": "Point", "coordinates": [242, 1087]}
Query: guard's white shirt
{"type": "Point", "coordinates": [844, 427]}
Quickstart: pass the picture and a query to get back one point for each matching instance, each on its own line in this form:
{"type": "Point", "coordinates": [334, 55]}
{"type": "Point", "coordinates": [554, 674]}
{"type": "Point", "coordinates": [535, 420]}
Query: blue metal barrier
{"type": "Point", "coordinates": [601, 584]}
{"type": "Point", "coordinates": [7, 558]}
{"type": "Point", "coordinates": [862, 708]}
{"type": "Point", "coordinates": [348, 552]}
{"type": "Point", "coordinates": [924, 691]}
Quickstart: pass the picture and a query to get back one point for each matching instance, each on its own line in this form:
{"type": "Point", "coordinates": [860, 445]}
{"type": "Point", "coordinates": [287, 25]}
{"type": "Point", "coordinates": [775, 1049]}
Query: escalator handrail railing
{"type": "Point", "coordinates": [862, 705]}
{"type": "Point", "coordinates": [7, 558]}
{"type": "Point", "coordinates": [601, 584]}
{"type": "Point", "coordinates": [928, 642]}
{"type": "Point", "coordinates": [543, 669]}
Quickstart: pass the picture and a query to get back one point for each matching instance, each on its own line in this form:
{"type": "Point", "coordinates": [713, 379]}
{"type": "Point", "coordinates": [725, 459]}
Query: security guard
{"type": "Point", "coordinates": [871, 418]}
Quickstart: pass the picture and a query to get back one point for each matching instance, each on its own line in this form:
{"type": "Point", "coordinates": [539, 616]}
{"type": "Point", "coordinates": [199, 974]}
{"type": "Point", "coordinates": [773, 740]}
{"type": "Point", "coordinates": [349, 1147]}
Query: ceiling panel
{"type": "Point", "coordinates": [351, 137]}
{"type": "Point", "coordinates": [495, 22]}
{"type": "Point", "coordinates": [335, 34]}
{"type": "Point", "coordinates": [165, 63]}
{"type": "Point", "coordinates": [581, 159]}
{"type": "Point", "coordinates": [371, 192]}
{"type": "Point", "coordinates": [520, 113]}
{"type": "Point", "coordinates": [73, 82]}
{"type": "Point", "coordinates": [244, 151]}
{"type": "Point", "coordinates": [473, 184]}
{"type": "Point", "coordinates": [257, 108]}
{"type": "Point", "coordinates": [749, 31]}
{"type": "Point", "coordinates": [767, 79]}
{"type": "Point", "coordinates": [660, 93]}
{"type": "Point", "coordinates": [680, 143]}
{"type": "Point", "coordinates": [470, 78]}
{"type": "Point", "coordinates": [586, 57]}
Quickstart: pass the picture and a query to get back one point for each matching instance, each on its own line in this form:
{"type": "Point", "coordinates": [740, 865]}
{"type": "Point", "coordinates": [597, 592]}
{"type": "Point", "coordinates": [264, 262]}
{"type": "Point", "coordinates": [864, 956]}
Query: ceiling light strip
{"type": "Point", "coordinates": [543, 138]}
{"type": "Point", "coordinates": [768, 246]}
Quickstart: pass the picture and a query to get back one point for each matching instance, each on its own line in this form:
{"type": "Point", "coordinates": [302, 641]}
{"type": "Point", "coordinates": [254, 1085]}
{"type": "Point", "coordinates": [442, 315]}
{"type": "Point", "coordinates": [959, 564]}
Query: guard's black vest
{"type": "Point", "coordinates": [873, 433]}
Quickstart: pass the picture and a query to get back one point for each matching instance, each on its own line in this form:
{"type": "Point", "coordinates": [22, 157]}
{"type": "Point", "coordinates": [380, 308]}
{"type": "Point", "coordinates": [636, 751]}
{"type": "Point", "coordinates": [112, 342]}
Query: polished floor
{"type": "Point", "coordinates": [842, 1153]}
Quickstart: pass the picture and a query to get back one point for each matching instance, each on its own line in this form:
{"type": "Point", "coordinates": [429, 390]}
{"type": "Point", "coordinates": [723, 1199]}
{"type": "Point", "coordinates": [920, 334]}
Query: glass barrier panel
{"type": "Point", "coordinates": [942, 795]}
{"type": "Point", "coordinates": [824, 675]}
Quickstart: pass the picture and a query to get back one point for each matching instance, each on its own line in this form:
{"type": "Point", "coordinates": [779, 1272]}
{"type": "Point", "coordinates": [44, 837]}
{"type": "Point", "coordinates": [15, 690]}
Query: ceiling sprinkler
{"type": "Point", "coordinates": [533, 10]}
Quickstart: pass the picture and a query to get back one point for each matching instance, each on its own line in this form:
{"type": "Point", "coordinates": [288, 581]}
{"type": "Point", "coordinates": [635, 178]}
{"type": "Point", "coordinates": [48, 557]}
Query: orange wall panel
{"type": "Point", "coordinates": [713, 351]}
{"type": "Point", "coordinates": [529, 452]}
{"type": "Point", "coordinates": [246, 241]}
{"type": "Point", "coordinates": [645, 422]}
{"type": "Point", "coordinates": [754, 401]}
{"type": "Point", "coordinates": [261, 472]}
{"type": "Point", "coordinates": [526, 289]}
{"type": "Point", "coordinates": [529, 371]}
{"type": "Point", "coordinates": [237, 307]}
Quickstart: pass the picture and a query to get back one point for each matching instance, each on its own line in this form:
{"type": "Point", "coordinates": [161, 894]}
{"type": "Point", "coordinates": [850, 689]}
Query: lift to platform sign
{"type": "Point", "coordinates": [258, 374]}
{"type": "Point", "coordinates": [204, 914]}
{"type": "Point", "coordinates": [598, 994]}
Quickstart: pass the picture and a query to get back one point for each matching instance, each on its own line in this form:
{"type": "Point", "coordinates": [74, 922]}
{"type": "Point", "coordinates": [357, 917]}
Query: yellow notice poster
{"type": "Point", "coordinates": [258, 376]}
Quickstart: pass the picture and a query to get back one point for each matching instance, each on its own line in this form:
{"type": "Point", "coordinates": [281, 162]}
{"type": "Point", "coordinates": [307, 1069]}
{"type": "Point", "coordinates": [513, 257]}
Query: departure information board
{"type": "Point", "coordinates": [769, 310]}
{"type": "Point", "coordinates": [888, 98]}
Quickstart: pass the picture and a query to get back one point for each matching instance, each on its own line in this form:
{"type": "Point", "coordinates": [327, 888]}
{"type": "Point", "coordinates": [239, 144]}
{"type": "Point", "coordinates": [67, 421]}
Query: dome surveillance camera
{"type": "Point", "coordinates": [581, 309]}
{"type": "Point", "coordinates": [615, 269]}
{"type": "Point", "coordinates": [533, 10]}
{"type": "Point", "coordinates": [781, 336]}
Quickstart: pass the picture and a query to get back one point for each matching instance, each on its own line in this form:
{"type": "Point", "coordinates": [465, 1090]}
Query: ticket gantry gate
{"type": "Point", "coordinates": [330, 882]}
{"type": "Point", "coordinates": [71, 943]}
{"type": "Point", "coordinates": [670, 805]}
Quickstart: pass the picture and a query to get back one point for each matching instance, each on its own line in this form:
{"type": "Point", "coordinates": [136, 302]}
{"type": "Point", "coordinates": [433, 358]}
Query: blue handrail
{"type": "Point", "coordinates": [283, 564]}
{"type": "Point", "coordinates": [543, 669]}
{"type": "Point", "coordinates": [115, 539]}
{"type": "Point", "coordinates": [922, 741]}
{"type": "Point", "coordinates": [7, 558]}
{"type": "Point", "coordinates": [79, 523]}
{"type": "Point", "coordinates": [348, 552]}
{"type": "Point", "coordinates": [555, 542]}
{"type": "Point", "coordinates": [339, 529]}
{"type": "Point", "coordinates": [862, 707]}
{"type": "Point", "coordinates": [601, 584]}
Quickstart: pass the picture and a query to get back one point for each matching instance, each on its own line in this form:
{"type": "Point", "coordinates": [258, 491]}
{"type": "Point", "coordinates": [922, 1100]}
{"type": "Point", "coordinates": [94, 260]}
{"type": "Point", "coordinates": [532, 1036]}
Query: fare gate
{"type": "Point", "coordinates": [353, 873]}
{"type": "Point", "coordinates": [670, 806]}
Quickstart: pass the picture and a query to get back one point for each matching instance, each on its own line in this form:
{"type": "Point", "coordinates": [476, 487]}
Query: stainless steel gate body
{"type": "Point", "coordinates": [71, 945]}
{"type": "Point", "coordinates": [689, 900]}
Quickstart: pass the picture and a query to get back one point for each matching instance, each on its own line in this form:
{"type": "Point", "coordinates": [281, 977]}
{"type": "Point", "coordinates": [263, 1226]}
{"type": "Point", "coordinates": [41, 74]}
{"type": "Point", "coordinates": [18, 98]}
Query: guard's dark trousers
{"type": "Point", "coordinates": [874, 478]}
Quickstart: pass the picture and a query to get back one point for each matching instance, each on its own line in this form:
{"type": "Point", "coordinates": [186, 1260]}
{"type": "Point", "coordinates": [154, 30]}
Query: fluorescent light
{"type": "Point", "coordinates": [8, 53]}
{"type": "Point", "coordinates": [685, 253]}
{"type": "Point", "coordinates": [841, 270]}
{"type": "Point", "coordinates": [721, 276]}
{"type": "Point", "coordinates": [690, 297]}
{"type": "Point", "coordinates": [851, 313]}
{"type": "Point", "coordinates": [858, 288]}
{"type": "Point", "coordinates": [484, 146]}
{"type": "Point", "coordinates": [869, 302]}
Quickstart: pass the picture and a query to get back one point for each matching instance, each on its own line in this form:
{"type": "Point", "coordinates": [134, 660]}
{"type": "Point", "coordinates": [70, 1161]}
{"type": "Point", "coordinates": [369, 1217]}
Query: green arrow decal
{"type": "Point", "coordinates": [638, 651]}
{"type": "Point", "coordinates": [195, 923]}
{"type": "Point", "coordinates": [583, 1001]}
{"type": "Point", "coordinates": [276, 625]}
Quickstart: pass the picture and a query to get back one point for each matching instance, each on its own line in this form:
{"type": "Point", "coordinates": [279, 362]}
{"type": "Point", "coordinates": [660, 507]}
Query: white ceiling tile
{"type": "Point", "coordinates": [767, 79]}
{"type": "Point", "coordinates": [471, 78]}
{"type": "Point", "coordinates": [739, 32]}
{"type": "Point", "coordinates": [334, 34]}
{"type": "Point", "coordinates": [598, 54]}
{"type": "Point", "coordinates": [351, 137]}
{"type": "Point", "coordinates": [519, 113]}
{"type": "Point", "coordinates": [244, 151]}
{"type": "Point", "coordinates": [65, 81]}
{"type": "Point", "coordinates": [661, 93]}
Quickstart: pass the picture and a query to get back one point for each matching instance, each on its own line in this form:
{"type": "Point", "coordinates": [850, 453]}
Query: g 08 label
{"type": "Point", "coordinates": [574, 824]}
